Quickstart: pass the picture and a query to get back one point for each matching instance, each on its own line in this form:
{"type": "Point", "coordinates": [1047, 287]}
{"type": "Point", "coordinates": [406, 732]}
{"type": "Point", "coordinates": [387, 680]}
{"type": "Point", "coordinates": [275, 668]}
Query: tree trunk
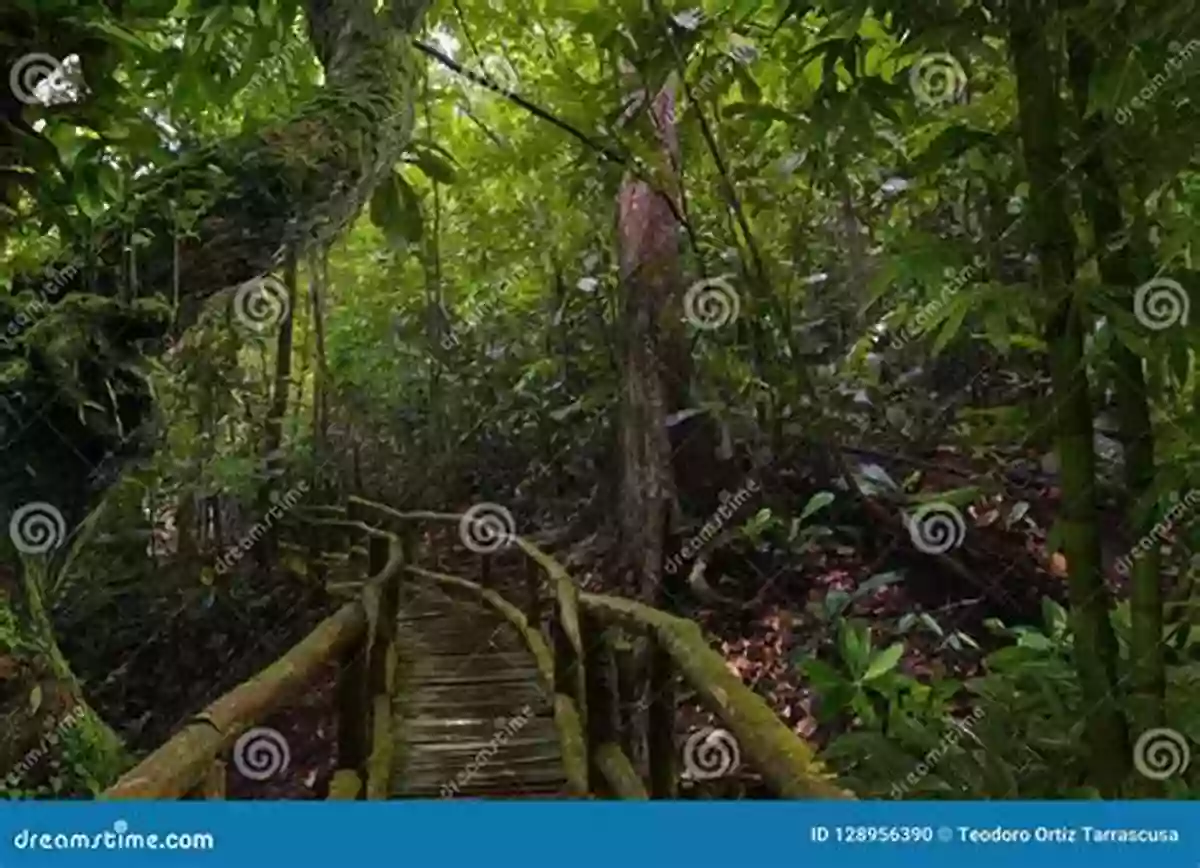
{"type": "Point", "coordinates": [1102, 198]}
{"type": "Point", "coordinates": [648, 252]}
{"type": "Point", "coordinates": [1095, 643]}
{"type": "Point", "coordinates": [292, 183]}
{"type": "Point", "coordinates": [273, 436]}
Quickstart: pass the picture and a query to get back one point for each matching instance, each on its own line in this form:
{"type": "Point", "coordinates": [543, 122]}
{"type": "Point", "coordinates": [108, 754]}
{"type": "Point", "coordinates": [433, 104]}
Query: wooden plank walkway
{"type": "Point", "coordinates": [472, 719]}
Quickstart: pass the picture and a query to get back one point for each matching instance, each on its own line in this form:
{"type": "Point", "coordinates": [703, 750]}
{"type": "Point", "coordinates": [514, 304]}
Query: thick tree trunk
{"type": "Point", "coordinates": [295, 183]}
{"type": "Point", "coordinates": [649, 258]}
{"type": "Point", "coordinates": [1095, 643]}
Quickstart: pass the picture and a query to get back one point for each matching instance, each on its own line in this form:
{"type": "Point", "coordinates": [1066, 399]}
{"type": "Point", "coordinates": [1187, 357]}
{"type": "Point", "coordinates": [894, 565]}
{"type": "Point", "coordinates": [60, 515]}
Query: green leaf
{"type": "Point", "coordinates": [884, 662]}
{"type": "Point", "coordinates": [434, 166]}
{"type": "Point", "coordinates": [816, 503]}
{"type": "Point", "coordinates": [396, 209]}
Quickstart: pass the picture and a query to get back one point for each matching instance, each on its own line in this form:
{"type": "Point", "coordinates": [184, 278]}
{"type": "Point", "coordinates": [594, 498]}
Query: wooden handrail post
{"type": "Point", "coordinates": [629, 695]}
{"type": "Point", "coordinates": [353, 709]}
{"type": "Point", "coordinates": [660, 736]}
{"type": "Point", "coordinates": [601, 695]}
{"type": "Point", "coordinates": [566, 684]}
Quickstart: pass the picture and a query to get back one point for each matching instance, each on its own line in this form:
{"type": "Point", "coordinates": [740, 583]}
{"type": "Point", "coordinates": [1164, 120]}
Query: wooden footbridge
{"type": "Point", "coordinates": [447, 688]}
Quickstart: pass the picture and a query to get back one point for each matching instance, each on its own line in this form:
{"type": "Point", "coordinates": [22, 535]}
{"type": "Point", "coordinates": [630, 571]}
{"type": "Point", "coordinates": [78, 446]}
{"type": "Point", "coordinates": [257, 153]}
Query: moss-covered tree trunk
{"type": "Point", "coordinates": [296, 183]}
{"type": "Point", "coordinates": [1103, 201]}
{"type": "Point", "coordinates": [1038, 73]}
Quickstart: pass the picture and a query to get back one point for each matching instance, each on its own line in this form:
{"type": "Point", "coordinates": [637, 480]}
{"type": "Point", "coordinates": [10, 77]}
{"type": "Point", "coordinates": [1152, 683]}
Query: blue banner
{"type": "Point", "coordinates": [558, 834]}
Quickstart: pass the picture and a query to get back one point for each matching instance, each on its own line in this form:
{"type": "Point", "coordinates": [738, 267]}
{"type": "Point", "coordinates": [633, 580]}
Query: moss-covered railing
{"type": "Point", "coordinates": [360, 637]}
{"type": "Point", "coordinates": [577, 662]}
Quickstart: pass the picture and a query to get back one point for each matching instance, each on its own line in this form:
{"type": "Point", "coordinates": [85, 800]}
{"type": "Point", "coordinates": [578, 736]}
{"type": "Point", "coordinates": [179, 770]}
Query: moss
{"type": "Point", "coordinates": [572, 744]}
{"type": "Point", "coordinates": [345, 785]}
{"type": "Point", "coordinates": [379, 765]}
{"type": "Point", "coordinates": [788, 764]}
{"type": "Point", "coordinates": [619, 772]}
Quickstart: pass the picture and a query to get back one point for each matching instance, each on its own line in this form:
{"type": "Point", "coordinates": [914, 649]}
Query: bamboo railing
{"type": "Point", "coordinates": [577, 658]}
{"type": "Point", "coordinates": [360, 636]}
{"type": "Point", "coordinates": [577, 661]}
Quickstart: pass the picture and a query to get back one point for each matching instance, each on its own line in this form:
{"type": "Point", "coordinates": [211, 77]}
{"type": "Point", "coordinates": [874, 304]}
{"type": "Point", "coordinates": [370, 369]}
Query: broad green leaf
{"type": "Point", "coordinates": [816, 503]}
{"type": "Point", "coordinates": [884, 662]}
